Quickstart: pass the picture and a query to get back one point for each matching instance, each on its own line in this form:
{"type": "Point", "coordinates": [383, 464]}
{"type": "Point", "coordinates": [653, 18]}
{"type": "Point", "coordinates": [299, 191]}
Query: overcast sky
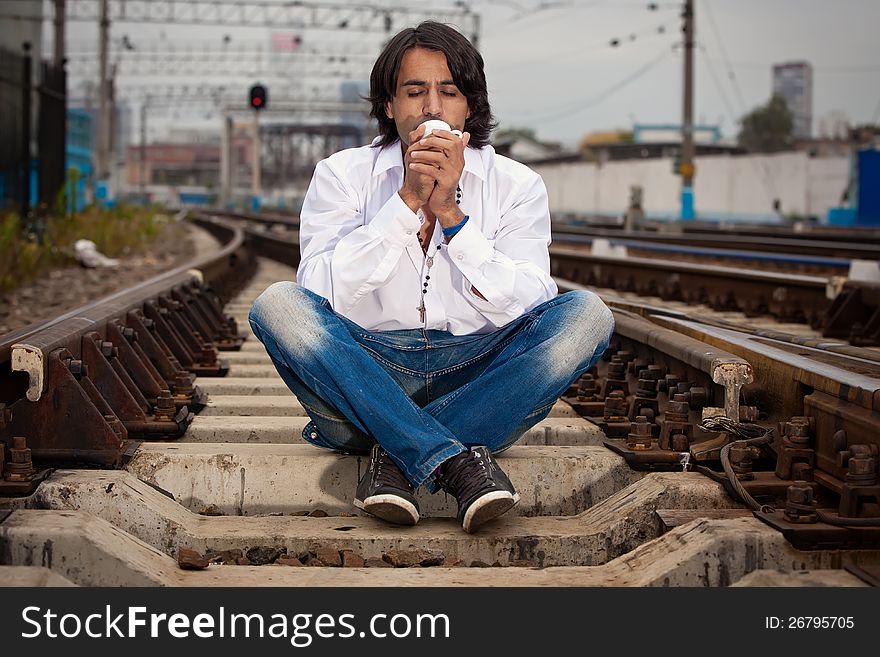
{"type": "Point", "coordinates": [552, 68]}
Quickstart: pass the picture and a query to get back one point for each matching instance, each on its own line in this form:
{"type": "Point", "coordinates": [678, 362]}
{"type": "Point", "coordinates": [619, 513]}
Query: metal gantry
{"type": "Point", "coordinates": [214, 61]}
{"type": "Point", "coordinates": [362, 17]}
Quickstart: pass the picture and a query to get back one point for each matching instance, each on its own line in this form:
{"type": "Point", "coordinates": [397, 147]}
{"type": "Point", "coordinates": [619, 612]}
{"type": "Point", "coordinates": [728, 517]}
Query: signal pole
{"type": "Point", "coordinates": [256, 182]}
{"type": "Point", "coordinates": [687, 169]}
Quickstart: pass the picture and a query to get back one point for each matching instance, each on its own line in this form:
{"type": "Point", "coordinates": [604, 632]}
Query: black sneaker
{"type": "Point", "coordinates": [482, 489]}
{"type": "Point", "coordinates": [385, 492]}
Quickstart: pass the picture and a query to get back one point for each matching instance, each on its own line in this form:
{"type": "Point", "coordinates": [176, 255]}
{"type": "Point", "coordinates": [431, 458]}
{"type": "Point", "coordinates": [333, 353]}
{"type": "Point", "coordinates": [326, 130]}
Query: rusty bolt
{"type": "Point", "coordinates": [616, 369]}
{"type": "Point", "coordinates": [797, 432]}
{"type": "Point", "coordinates": [698, 397]}
{"type": "Point", "coordinates": [741, 462]}
{"type": "Point", "coordinates": [669, 384]}
{"type": "Point", "coordinates": [680, 443]}
{"type": "Point", "coordinates": [148, 323]}
{"type": "Point", "coordinates": [799, 505]}
{"type": "Point", "coordinates": [164, 409]}
{"type": "Point", "coordinates": [655, 372]}
{"type": "Point", "coordinates": [640, 434]}
{"type": "Point", "coordinates": [857, 451]}
{"type": "Point", "coordinates": [615, 405]}
{"type": "Point", "coordinates": [77, 368]}
{"type": "Point", "coordinates": [623, 356]}
{"type": "Point", "coordinates": [647, 386]}
{"type": "Point", "coordinates": [20, 466]}
{"type": "Point", "coordinates": [801, 470]}
{"type": "Point", "coordinates": [587, 388]}
{"type": "Point", "coordinates": [19, 445]}
{"type": "Point", "coordinates": [129, 334]}
{"type": "Point", "coordinates": [862, 466]}
{"type": "Point", "coordinates": [800, 493]}
{"type": "Point", "coordinates": [182, 384]}
{"type": "Point", "coordinates": [678, 409]}
{"type": "Point", "coordinates": [115, 424]}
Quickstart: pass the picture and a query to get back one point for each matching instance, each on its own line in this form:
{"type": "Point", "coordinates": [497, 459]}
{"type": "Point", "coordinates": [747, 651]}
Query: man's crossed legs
{"type": "Point", "coordinates": [428, 406]}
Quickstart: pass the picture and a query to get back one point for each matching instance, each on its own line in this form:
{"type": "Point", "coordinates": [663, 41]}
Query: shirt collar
{"type": "Point", "coordinates": [391, 157]}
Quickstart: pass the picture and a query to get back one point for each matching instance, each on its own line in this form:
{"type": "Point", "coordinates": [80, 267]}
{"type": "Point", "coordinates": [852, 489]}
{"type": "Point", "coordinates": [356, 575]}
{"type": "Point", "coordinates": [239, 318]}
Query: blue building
{"type": "Point", "coordinates": [80, 153]}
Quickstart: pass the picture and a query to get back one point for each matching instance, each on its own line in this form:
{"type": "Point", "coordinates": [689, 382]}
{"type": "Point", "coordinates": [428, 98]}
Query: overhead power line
{"type": "Point", "coordinates": [584, 104]}
{"type": "Point", "coordinates": [730, 74]}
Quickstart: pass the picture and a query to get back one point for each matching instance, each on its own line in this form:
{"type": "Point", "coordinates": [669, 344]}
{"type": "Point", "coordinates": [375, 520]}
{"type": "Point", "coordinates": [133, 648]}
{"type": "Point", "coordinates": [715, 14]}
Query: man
{"type": "Point", "coordinates": [424, 328]}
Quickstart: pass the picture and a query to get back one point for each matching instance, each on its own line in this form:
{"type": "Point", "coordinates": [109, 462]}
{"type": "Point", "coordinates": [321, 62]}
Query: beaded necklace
{"type": "Point", "coordinates": [428, 262]}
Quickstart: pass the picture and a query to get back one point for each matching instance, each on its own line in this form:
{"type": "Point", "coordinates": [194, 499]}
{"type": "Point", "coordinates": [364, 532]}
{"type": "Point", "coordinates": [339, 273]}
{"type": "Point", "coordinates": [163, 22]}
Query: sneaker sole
{"type": "Point", "coordinates": [390, 508]}
{"type": "Point", "coordinates": [488, 507]}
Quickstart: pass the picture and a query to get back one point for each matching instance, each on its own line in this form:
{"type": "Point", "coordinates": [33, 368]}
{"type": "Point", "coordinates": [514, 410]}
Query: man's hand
{"type": "Point", "coordinates": [440, 156]}
{"type": "Point", "coordinates": [417, 187]}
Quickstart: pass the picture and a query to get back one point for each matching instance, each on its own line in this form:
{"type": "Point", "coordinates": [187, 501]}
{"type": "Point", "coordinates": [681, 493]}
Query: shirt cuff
{"type": "Point", "coordinates": [396, 223]}
{"type": "Point", "coordinates": [469, 248]}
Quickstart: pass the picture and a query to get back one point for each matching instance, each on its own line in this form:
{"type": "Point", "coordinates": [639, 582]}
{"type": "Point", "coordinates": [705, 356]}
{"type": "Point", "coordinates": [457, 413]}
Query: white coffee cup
{"type": "Point", "coordinates": [437, 124]}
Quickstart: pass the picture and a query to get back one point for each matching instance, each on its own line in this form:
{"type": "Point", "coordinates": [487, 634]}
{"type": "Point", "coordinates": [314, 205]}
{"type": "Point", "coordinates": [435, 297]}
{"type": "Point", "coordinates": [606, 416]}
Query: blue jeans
{"type": "Point", "coordinates": [426, 396]}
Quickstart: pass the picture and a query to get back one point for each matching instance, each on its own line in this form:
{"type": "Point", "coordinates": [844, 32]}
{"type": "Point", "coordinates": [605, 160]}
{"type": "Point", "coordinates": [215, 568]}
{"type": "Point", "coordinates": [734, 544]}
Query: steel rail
{"type": "Point", "coordinates": [833, 250]}
{"type": "Point", "coordinates": [790, 297]}
{"type": "Point", "coordinates": [823, 348]}
{"type": "Point", "coordinates": [89, 313]}
{"type": "Point", "coordinates": [81, 386]}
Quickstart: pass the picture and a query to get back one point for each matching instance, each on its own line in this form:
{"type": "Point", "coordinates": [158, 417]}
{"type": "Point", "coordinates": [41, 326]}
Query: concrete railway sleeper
{"type": "Point", "coordinates": [621, 485]}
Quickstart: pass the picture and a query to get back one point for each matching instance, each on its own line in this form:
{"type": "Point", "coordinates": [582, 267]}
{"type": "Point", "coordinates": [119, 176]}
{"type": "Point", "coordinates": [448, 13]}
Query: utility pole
{"type": "Point", "coordinates": [26, 118]}
{"type": "Point", "coordinates": [103, 159]}
{"type": "Point", "coordinates": [142, 169]}
{"type": "Point", "coordinates": [58, 58]}
{"type": "Point", "coordinates": [687, 169]}
{"type": "Point", "coordinates": [226, 164]}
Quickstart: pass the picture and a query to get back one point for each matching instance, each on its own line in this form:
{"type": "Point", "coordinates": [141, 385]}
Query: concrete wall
{"type": "Point", "coordinates": [726, 187]}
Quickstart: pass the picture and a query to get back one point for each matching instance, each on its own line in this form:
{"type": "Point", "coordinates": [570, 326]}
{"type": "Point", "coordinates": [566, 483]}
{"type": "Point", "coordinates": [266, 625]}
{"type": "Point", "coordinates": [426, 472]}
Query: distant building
{"type": "Point", "coordinates": [794, 82]}
{"type": "Point", "coordinates": [605, 137]}
{"type": "Point", "coordinates": [174, 164]}
{"type": "Point", "coordinates": [647, 141]}
{"type": "Point", "coordinates": [524, 148]}
{"type": "Point", "coordinates": [191, 159]}
{"type": "Point", "coordinates": [664, 133]}
{"type": "Point", "coordinates": [80, 152]}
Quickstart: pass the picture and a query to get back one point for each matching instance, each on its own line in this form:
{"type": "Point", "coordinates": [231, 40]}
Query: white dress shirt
{"type": "Point", "coordinates": [360, 248]}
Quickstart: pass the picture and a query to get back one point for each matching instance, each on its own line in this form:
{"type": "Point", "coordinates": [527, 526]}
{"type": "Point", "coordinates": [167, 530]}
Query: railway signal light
{"type": "Point", "coordinates": [258, 97]}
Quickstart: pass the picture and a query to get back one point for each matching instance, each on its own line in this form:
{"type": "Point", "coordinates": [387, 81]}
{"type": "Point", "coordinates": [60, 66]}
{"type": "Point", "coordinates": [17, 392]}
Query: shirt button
{"type": "Point", "coordinates": [409, 232]}
{"type": "Point", "coordinates": [459, 257]}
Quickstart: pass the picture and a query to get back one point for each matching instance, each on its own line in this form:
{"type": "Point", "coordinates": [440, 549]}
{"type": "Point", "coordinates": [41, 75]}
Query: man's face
{"type": "Point", "coordinates": [425, 90]}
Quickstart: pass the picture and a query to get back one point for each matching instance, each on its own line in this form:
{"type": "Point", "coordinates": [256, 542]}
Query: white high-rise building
{"type": "Point", "coordinates": [794, 82]}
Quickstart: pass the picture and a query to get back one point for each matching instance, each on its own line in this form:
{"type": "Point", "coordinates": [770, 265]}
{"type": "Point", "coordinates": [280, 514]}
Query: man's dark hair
{"type": "Point", "coordinates": [465, 63]}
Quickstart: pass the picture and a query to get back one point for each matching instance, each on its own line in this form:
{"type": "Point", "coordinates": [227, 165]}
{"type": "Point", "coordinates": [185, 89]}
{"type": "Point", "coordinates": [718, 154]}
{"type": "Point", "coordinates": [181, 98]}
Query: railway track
{"type": "Point", "coordinates": [799, 277]}
{"type": "Point", "coordinates": [149, 441]}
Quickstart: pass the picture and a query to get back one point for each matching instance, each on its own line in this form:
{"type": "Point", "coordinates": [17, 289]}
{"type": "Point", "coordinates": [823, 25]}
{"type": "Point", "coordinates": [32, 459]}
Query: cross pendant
{"type": "Point", "coordinates": [421, 310]}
